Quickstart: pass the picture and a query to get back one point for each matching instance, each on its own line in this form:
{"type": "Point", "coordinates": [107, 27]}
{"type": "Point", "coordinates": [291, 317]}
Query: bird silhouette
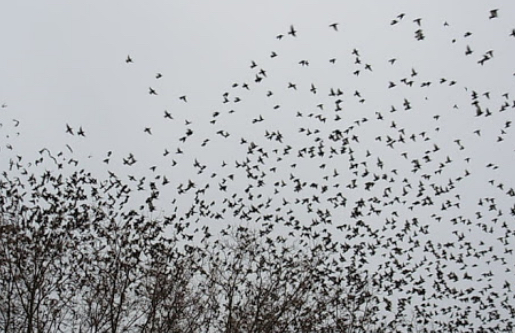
{"type": "Point", "coordinates": [292, 31]}
{"type": "Point", "coordinates": [69, 130]}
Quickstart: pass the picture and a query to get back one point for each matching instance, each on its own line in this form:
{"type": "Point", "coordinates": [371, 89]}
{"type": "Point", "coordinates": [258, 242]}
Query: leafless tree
{"type": "Point", "coordinates": [76, 258]}
{"type": "Point", "coordinates": [259, 284]}
{"type": "Point", "coordinates": [36, 239]}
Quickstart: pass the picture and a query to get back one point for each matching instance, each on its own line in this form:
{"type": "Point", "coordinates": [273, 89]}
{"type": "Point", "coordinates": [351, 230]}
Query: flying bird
{"type": "Point", "coordinates": [292, 31]}
{"type": "Point", "coordinates": [69, 130]}
{"type": "Point", "coordinates": [168, 115]}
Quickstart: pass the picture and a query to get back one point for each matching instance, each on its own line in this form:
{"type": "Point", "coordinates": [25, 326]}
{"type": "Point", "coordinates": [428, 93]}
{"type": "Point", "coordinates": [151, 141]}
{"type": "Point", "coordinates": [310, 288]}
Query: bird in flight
{"type": "Point", "coordinates": [292, 31]}
{"type": "Point", "coordinates": [69, 130]}
{"type": "Point", "coordinates": [168, 115]}
{"type": "Point", "coordinates": [334, 26]}
{"type": "Point", "coordinates": [152, 91]}
{"type": "Point", "coordinates": [129, 59]}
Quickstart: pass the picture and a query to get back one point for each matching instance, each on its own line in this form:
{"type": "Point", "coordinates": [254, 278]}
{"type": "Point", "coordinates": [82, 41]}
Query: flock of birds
{"type": "Point", "coordinates": [382, 164]}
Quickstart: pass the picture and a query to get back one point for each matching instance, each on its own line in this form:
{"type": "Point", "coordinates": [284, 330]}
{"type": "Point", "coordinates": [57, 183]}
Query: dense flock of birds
{"type": "Point", "coordinates": [382, 160]}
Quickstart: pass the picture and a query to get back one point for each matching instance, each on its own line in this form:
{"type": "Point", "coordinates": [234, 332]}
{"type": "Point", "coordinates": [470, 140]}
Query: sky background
{"type": "Point", "coordinates": [65, 63]}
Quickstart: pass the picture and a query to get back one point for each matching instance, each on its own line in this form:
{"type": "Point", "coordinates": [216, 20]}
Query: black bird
{"type": "Point", "coordinates": [292, 85]}
{"type": "Point", "coordinates": [152, 91]}
{"type": "Point", "coordinates": [168, 115]}
{"type": "Point", "coordinates": [292, 31]}
{"type": "Point", "coordinates": [183, 98]}
{"type": "Point", "coordinates": [334, 26]}
{"type": "Point", "coordinates": [129, 59]}
{"type": "Point", "coordinates": [69, 129]}
{"type": "Point", "coordinates": [81, 132]}
{"type": "Point", "coordinates": [159, 75]}
{"type": "Point", "coordinates": [493, 13]}
{"type": "Point", "coordinates": [148, 130]}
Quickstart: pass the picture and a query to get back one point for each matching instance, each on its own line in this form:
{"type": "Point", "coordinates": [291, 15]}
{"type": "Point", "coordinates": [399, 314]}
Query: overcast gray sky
{"type": "Point", "coordinates": [65, 63]}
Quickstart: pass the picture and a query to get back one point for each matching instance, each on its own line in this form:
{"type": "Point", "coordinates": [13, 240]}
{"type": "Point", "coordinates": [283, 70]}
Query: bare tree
{"type": "Point", "coordinates": [169, 293]}
{"type": "Point", "coordinates": [36, 241]}
{"type": "Point", "coordinates": [259, 284]}
{"type": "Point", "coordinates": [75, 258]}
